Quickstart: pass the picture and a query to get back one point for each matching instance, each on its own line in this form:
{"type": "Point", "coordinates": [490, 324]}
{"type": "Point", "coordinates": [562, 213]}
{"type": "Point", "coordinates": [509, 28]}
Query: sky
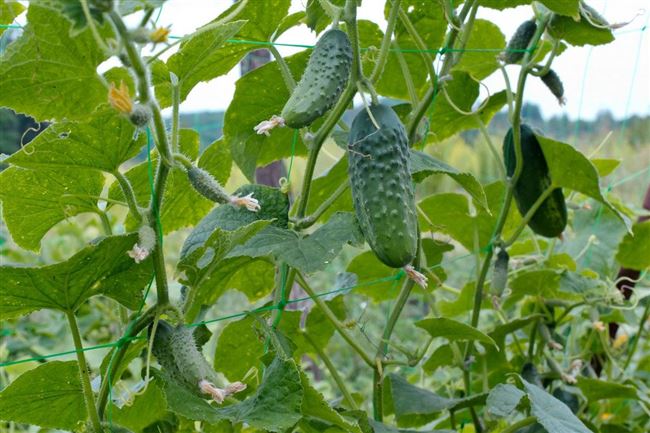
{"type": "Point", "coordinates": [613, 77]}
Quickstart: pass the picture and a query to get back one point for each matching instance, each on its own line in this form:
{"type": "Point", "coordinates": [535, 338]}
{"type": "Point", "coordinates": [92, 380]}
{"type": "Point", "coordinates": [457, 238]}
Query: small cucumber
{"type": "Point", "coordinates": [206, 185]}
{"type": "Point", "coordinates": [177, 353]}
{"type": "Point", "coordinates": [322, 82]}
{"type": "Point", "coordinates": [553, 82]}
{"type": "Point", "coordinates": [500, 273]}
{"type": "Point", "coordinates": [550, 219]}
{"type": "Point", "coordinates": [517, 45]}
{"type": "Point", "coordinates": [382, 189]}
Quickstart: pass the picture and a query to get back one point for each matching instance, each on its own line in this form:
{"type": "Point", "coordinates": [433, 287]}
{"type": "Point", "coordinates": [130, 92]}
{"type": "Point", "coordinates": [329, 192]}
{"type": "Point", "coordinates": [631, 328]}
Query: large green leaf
{"type": "Point", "coordinates": [47, 73]}
{"type": "Point", "coordinates": [47, 196]}
{"type": "Point", "coordinates": [571, 169]}
{"type": "Point", "coordinates": [49, 396]}
{"type": "Point", "coordinates": [103, 142]}
{"type": "Point", "coordinates": [238, 340]}
{"type": "Point", "coordinates": [217, 161]}
{"type": "Point", "coordinates": [259, 95]}
{"type": "Point", "coordinates": [578, 32]}
{"type": "Point", "coordinates": [100, 268]}
{"type": "Point", "coordinates": [551, 413]}
{"type": "Point", "coordinates": [453, 330]}
{"type": "Point", "coordinates": [634, 249]}
{"type": "Point", "coordinates": [451, 213]}
{"type": "Point", "coordinates": [563, 7]}
{"type": "Point", "coordinates": [424, 165]}
{"type": "Point", "coordinates": [309, 253]}
{"type": "Point", "coordinates": [503, 4]}
{"type": "Point", "coordinates": [415, 406]}
{"type": "Point", "coordinates": [275, 405]}
{"type": "Point", "coordinates": [196, 58]}
{"type": "Point", "coordinates": [440, 357]}
{"type": "Point", "coordinates": [596, 389]}
{"type": "Point", "coordinates": [202, 261]}
{"type": "Point", "coordinates": [315, 407]}
{"type": "Point", "coordinates": [463, 91]}
{"type": "Point", "coordinates": [504, 399]}
{"type": "Point", "coordinates": [479, 59]}
{"type": "Point", "coordinates": [274, 205]}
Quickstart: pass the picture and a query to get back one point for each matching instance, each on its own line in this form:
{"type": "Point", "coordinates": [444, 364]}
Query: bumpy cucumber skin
{"type": "Point", "coordinates": [550, 219]}
{"type": "Point", "coordinates": [206, 185]}
{"type": "Point", "coordinates": [382, 189]}
{"type": "Point", "coordinates": [520, 41]}
{"type": "Point", "coordinates": [177, 353]}
{"type": "Point", "coordinates": [552, 80]}
{"type": "Point", "coordinates": [322, 82]}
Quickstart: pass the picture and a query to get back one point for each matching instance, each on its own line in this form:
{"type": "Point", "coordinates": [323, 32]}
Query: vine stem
{"type": "Point", "coordinates": [333, 371]}
{"type": "Point", "coordinates": [503, 214]}
{"type": "Point", "coordinates": [93, 28]}
{"type": "Point", "coordinates": [129, 194]}
{"type": "Point", "coordinates": [84, 372]}
{"type": "Point", "coordinates": [176, 103]}
{"type": "Point", "coordinates": [106, 223]}
{"type": "Point", "coordinates": [336, 112]}
{"type": "Point", "coordinates": [282, 292]}
{"type": "Point", "coordinates": [378, 392]}
{"type": "Point", "coordinates": [529, 215]}
{"type": "Point", "coordinates": [385, 42]}
{"type": "Point", "coordinates": [329, 314]}
{"type": "Point", "coordinates": [491, 146]}
{"type": "Point", "coordinates": [145, 95]}
{"type": "Point", "coordinates": [519, 424]}
{"type": "Point", "coordinates": [433, 88]}
{"type": "Point", "coordinates": [284, 68]}
{"type": "Point", "coordinates": [419, 43]}
{"type": "Point", "coordinates": [406, 73]}
{"type": "Point", "coordinates": [311, 219]}
{"type": "Point", "coordinates": [635, 344]}
{"type": "Point", "coordinates": [137, 325]}
{"type": "Point", "coordinates": [162, 142]}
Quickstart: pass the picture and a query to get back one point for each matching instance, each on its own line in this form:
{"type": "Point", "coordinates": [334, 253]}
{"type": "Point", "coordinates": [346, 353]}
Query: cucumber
{"type": "Point", "coordinates": [178, 355]}
{"type": "Point", "coordinates": [140, 115]}
{"type": "Point", "coordinates": [550, 219]}
{"type": "Point", "coordinates": [382, 189]}
{"type": "Point", "coordinates": [322, 82]}
{"type": "Point", "coordinates": [519, 42]}
{"type": "Point", "coordinates": [553, 82]}
{"type": "Point", "coordinates": [206, 185]}
{"type": "Point", "coordinates": [500, 273]}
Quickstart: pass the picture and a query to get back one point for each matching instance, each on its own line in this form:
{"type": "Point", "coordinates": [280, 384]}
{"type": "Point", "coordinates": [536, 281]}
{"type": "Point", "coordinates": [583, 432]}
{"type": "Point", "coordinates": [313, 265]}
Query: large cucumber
{"type": "Point", "coordinates": [322, 82]}
{"type": "Point", "coordinates": [382, 189]}
{"type": "Point", "coordinates": [550, 219]}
